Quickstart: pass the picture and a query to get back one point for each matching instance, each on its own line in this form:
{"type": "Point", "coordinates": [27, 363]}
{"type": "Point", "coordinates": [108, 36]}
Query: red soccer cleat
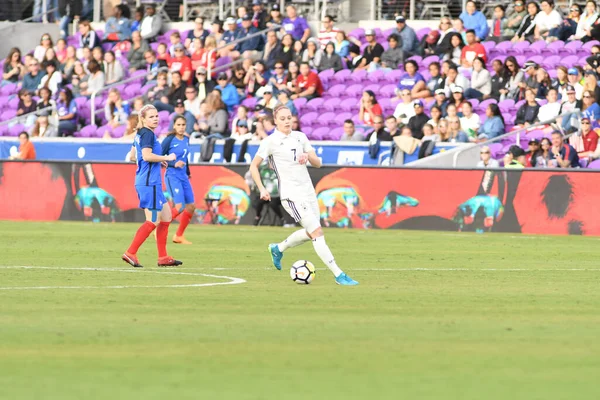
{"type": "Point", "coordinates": [131, 260]}
{"type": "Point", "coordinates": [168, 261]}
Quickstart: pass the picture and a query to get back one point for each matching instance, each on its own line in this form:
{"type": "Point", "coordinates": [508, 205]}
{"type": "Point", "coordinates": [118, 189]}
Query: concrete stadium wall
{"type": "Point", "coordinates": [532, 201]}
{"type": "Point", "coordinates": [24, 35]}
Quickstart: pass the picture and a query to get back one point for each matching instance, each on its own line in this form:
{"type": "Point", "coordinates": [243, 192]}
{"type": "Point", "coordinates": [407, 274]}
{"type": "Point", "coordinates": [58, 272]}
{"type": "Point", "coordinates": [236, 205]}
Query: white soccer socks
{"type": "Point", "coordinates": [326, 256]}
{"type": "Point", "coordinates": [295, 239]}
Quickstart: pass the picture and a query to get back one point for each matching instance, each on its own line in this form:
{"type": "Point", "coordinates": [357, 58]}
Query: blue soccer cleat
{"type": "Point", "coordinates": [345, 280]}
{"type": "Point", "coordinates": [276, 255]}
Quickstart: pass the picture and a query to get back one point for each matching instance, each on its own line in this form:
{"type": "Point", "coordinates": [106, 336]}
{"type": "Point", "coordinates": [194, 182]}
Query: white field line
{"type": "Point", "coordinates": [231, 280]}
{"type": "Point", "coordinates": [434, 269]}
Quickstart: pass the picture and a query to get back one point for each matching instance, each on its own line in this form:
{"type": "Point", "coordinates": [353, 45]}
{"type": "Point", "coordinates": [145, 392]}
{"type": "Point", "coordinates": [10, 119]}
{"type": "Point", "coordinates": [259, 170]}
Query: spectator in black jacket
{"type": "Point", "coordinates": [330, 60]}
{"type": "Point", "coordinates": [528, 113]}
{"type": "Point", "coordinates": [499, 79]}
{"type": "Point", "coordinates": [382, 134]}
{"type": "Point", "coordinates": [416, 122]}
{"type": "Point", "coordinates": [176, 92]}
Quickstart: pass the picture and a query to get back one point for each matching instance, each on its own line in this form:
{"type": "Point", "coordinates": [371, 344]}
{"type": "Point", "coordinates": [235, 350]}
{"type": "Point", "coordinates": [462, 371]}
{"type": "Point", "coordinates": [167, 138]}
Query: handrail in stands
{"type": "Point", "coordinates": [17, 118]}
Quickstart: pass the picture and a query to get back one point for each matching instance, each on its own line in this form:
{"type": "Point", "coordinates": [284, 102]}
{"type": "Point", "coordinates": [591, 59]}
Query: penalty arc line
{"type": "Point", "coordinates": [231, 280]}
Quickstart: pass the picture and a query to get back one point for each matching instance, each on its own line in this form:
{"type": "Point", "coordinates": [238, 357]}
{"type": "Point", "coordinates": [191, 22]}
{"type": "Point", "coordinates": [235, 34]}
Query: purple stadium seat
{"type": "Point", "coordinates": [570, 48]}
{"type": "Point", "coordinates": [8, 89]}
{"type": "Point", "coordinates": [358, 76]}
{"type": "Point", "coordinates": [506, 105]}
{"type": "Point", "coordinates": [388, 90]}
{"type": "Point", "coordinates": [375, 88]}
{"type": "Point", "coordinates": [328, 118]}
{"type": "Point", "coordinates": [119, 131]}
{"type": "Point", "coordinates": [300, 103]}
{"type": "Point", "coordinates": [496, 149]}
{"type": "Point", "coordinates": [474, 103]}
{"type": "Point", "coordinates": [87, 131]}
{"type": "Point", "coordinates": [376, 76]}
{"type": "Point", "coordinates": [551, 62]}
{"type": "Point", "coordinates": [8, 114]}
{"type": "Point", "coordinates": [354, 91]}
{"type": "Point", "coordinates": [553, 48]}
{"type": "Point", "coordinates": [358, 33]}
{"type": "Point", "coordinates": [250, 102]}
{"type": "Point", "coordinates": [417, 59]}
{"type": "Point", "coordinates": [386, 105]}
{"type": "Point", "coordinates": [336, 91]}
{"type": "Point", "coordinates": [326, 75]}
{"type": "Point", "coordinates": [570, 60]}
{"type": "Point", "coordinates": [341, 76]}
{"type": "Point", "coordinates": [500, 49]}
{"type": "Point", "coordinates": [163, 115]}
{"type": "Point", "coordinates": [320, 133]}
{"type": "Point", "coordinates": [309, 119]}
{"type": "Point", "coordinates": [428, 60]}
{"type": "Point", "coordinates": [594, 164]}
{"type": "Point", "coordinates": [518, 48]}
{"type": "Point", "coordinates": [536, 48]}
{"type": "Point", "coordinates": [336, 134]}
{"type": "Point", "coordinates": [489, 46]}
{"type": "Point", "coordinates": [348, 104]}
{"type": "Point", "coordinates": [421, 33]}
{"type": "Point", "coordinates": [16, 130]}
{"type": "Point", "coordinates": [394, 76]}
{"type": "Point", "coordinates": [332, 104]}
{"type": "Point", "coordinates": [133, 90]}
{"type": "Point", "coordinates": [307, 130]}
{"type": "Point", "coordinates": [3, 101]}
{"type": "Point", "coordinates": [315, 104]}
{"type": "Point", "coordinates": [13, 103]}
{"type": "Point", "coordinates": [3, 130]}
{"type": "Point", "coordinates": [484, 104]}
{"type": "Point", "coordinates": [341, 117]}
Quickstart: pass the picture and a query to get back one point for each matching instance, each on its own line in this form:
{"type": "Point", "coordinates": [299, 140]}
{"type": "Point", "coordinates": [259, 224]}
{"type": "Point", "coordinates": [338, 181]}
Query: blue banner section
{"type": "Point", "coordinates": [331, 153]}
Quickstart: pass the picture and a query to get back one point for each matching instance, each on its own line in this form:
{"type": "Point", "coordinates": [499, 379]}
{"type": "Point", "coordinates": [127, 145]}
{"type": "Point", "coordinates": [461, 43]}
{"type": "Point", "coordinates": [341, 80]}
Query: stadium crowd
{"type": "Point", "coordinates": [469, 80]}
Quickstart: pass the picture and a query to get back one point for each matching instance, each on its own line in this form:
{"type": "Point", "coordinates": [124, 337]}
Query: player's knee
{"type": "Point", "coordinates": [316, 233]}
{"type": "Point", "coordinates": [190, 207]}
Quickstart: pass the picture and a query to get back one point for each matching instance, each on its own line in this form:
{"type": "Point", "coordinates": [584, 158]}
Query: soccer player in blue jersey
{"type": "Point", "coordinates": [177, 177]}
{"type": "Point", "coordinates": [148, 184]}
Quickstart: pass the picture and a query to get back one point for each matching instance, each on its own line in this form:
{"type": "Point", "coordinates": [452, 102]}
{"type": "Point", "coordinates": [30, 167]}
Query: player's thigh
{"type": "Point", "coordinates": [151, 197]}
{"type": "Point", "coordinates": [304, 212]}
{"type": "Point", "coordinates": [175, 188]}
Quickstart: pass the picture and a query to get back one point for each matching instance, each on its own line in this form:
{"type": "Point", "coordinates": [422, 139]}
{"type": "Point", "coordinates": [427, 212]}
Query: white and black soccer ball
{"type": "Point", "coordinates": [303, 272]}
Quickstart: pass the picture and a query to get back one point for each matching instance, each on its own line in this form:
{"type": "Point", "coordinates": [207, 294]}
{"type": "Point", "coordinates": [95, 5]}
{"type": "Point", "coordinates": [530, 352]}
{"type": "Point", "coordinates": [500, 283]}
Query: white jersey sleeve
{"type": "Point", "coordinates": [306, 146]}
{"type": "Point", "coordinates": [264, 149]}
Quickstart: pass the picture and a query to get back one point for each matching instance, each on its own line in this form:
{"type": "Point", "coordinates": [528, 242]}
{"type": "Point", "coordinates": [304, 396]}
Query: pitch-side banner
{"type": "Point", "coordinates": [533, 202]}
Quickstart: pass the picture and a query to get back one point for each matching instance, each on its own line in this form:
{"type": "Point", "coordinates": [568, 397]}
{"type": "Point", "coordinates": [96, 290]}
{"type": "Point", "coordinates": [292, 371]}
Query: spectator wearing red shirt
{"type": "Point", "coordinates": [182, 64]}
{"type": "Point", "coordinates": [589, 137]}
{"type": "Point", "coordinates": [369, 108]}
{"type": "Point", "coordinates": [472, 50]}
{"type": "Point", "coordinates": [309, 83]}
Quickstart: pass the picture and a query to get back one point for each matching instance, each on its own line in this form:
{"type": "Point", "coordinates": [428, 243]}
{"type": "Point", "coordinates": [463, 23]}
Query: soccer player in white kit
{"type": "Point", "coordinates": [288, 153]}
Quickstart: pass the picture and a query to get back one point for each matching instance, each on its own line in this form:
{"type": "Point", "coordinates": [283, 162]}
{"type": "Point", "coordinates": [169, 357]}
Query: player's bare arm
{"type": "Point", "coordinates": [264, 195]}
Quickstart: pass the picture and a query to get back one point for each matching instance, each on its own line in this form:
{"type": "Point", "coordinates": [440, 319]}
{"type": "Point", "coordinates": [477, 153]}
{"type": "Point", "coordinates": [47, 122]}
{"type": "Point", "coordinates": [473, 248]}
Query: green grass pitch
{"type": "Point", "coordinates": [436, 316]}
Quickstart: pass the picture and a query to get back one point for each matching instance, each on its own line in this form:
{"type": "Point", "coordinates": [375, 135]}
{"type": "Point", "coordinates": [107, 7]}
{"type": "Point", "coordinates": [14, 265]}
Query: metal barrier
{"type": "Point", "coordinates": [105, 88]}
{"type": "Point", "coordinates": [252, 36]}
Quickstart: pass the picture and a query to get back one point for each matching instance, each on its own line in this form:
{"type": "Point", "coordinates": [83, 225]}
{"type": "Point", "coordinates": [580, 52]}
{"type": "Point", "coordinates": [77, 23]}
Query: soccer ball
{"type": "Point", "coordinates": [303, 272]}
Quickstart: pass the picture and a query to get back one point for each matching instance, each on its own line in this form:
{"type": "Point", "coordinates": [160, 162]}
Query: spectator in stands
{"type": "Point", "coordinates": [298, 49]}
{"type": "Point", "coordinates": [67, 113]}
{"type": "Point", "coordinates": [445, 28]}
{"type": "Point", "coordinates": [284, 98]}
{"type": "Point", "coordinates": [113, 69]}
{"type": "Point", "coordinates": [590, 82]}
{"type": "Point", "coordinates": [455, 79]}
{"type": "Point", "coordinates": [204, 86]}
{"type": "Point", "coordinates": [590, 108]}
{"type": "Point", "coordinates": [417, 121]}
{"type": "Point", "coordinates": [51, 57]}
{"type": "Point", "coordinates": [136, 22]}
{"type": "Point", "coordinates": [472, 50]}
{"type": "Point", "coordinates": [275, 17]}
{"type": "Point", "coordinates": [241, 117]}
{"type": "Point", "coordinates": [459, 27]}
{"type": "Point", "coordinates": [551, 109]}
{"type": "Point", "coordinates": [40, 50]}
{"type": "Point", "coordinates": [498, 81]}
{"type": "Point", "coordinates": [545, 154]}
{"type": "Point", "coordinates": [88, 37]}
{"type": "Point", "coordinates": [441, 130]}
{"type": "Point", "coordinates": [259, 15]}
{"type": "Point", "coordinates": [413, 81]}
{"type": "Point", "coordinates": [454, 50]}
{"type": "Point", "coordinates": [515, 17]}
{"type": "Point", "coordinates": [493, 126]}
{"type": "Point", "coordinates": [570, 104]}
{"type": "Point", "coordinates": [455, 132]}
{"type": "Point", "coordinates": [197, 33]}
{"type": "Point", "coordinates": [561, 81]}
{"type": "Point", "coordinates": [354, 59]}
{"type": "Point", "coordinates": [216, 116]}
{"type": "Point", "coordinates": [328, 32]}
{"type": "Point", "coordinates": [192, 101]}
{"type": "Point", "coordinates": [391, 125]}
{"type": "Point", "coordinates": [241, 11]}
{"type": "Point", "coordinates": [31, 80]}
{"type": "Point", "coordinates": [547, 22]}
{"type": "Point", "coordinates": [98, 56]}
{"type": "Point", "coordinates": [568, 28]}
{"type": "Point", "coordinates": [13, 68]}
{"type": "Point", "coordinates": [573, 80]}
{"type": "Point", "coordinates": [350, 133]}
{"type": "Point", "coordinates": [116, 111]}
{"type": "Point", "coordinates": [563, 154]}
{"type": "Point", "coordinates": [436, 81]}
{"type": "Point", "coordinates": [544, 83]}
{"type": "Point", "coordinates": [330, 60]}
{"type": "Point", "coordinates": [216, 31]}
{"type": "Point", "coordinates": [436, 116]}
{"type": "Point", "coordinates": [393, 56]}
{"type": "Point", "coordinates": [278, 79]}
{"type": "Point", "coordinates": [309, 84]}
{"type": "Point", "coordinates": [516, 158]}
{"type": "Point", "coordinates": [533, 153]}
{"type": "Point", "coordinates": [408, 36]}
{"type": "Point", "coordinates": [381, 134]}
{"type": "Point", "coordinates": [470, 122]}
{"type": "Point", "coordinates": [526, 30]}
{"type": "Point", "coordinates": [313, 53]}
{"type": "Point", "coordinates": [45, 100]}
{"type": "Point", "coordinates": [182, 64]}
{"type": "Point", "coordinates": [285, 52]}
{"type": "Point", "coordinates": [190, 120]}
{"type": "Point", "coordinates": [528, 113]}
{"type": "Point", "coordinates": [481, 81]}
{"type": "Point", "coordinates": [161, 90]}
{"type": "Point", "coordinates": [373, 51]}
{"type": "Point", "coordinates": [68, 65]}
{"type": "Point", "coordinates": [514, 76]}
{"type": "Point", "coordinates": [95, 80]}
{"type": "Point", "coordinates": [485, 158]}
{"type": "Point", "coordinates": [296, 25]}
{"type": "Point", "coordinates": [440, 100]}
{"type": "Point", "coordinates": [229, 94]}
{"type": "Point", "coordinates": [151, 24]}
{"type": "Point", "coordinates": [404, 110]}
{"type": "Point", "coordinates": [428, 44]}
{"type": "Point", "coordinates": [268, 102]}
{"type": "Point", "coordinates": [458, 99]}
{"type": "Point", "coordinates": [153, 65]}
{"type": "Point", "coordinates": [137, 52]}
{"type": "Point", "coordinates": [589, 139]}
{"type": "Point", "coordinates": [53, 78]}
{"type": "Point", "coordinates": [249, 47]}
{"type": "Point", "coordinates": [271, 50]}
{"type": "Point", "coordinates": [292, 77]}
{"type": "Point", "coordinates": [586, 22]}
{"type": "Point", "coordinates": [500, 32]}
{"type": "Point", "coordinates": [176, 92]}
{"type": "Point", "coordinates": [369, 108]}
{"type": "Point", "coordinates": [26, 149]}
{"type": "Point", "coordinates": [451, 111]}
{"type": "Point", "coordinates": [118, 27]}
{"type": "Point", "coordinates": [256, 77]}
{"type": "Point", "coordinates": [342, 45]}
{"type": "Point", "coordinates": [475, 20]}
{"type": "Point", "coordinates": [530, 81]}
{"type": "Point", "coordinates": [25, 106]}
{"type": "Point", "coordinates": [43, 128]}
{"type": "Point", "coordinates": [61, 50]}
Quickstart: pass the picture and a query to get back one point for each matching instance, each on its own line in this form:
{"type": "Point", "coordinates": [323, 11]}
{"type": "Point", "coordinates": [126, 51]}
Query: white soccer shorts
{"type": "Point", "coordinates": [305, 211]}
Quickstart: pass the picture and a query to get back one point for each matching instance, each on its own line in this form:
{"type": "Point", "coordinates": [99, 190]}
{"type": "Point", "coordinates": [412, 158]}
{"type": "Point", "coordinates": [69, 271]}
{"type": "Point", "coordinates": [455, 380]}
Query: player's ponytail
{"type": "Point", "coordinates": [142, 115]}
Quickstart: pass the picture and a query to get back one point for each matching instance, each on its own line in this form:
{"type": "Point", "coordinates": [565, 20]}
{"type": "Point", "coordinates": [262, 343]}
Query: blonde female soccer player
{"type": "Point", "coordinates": [148, 184]}
{"type": "Point", "coordinates": [288, 152]}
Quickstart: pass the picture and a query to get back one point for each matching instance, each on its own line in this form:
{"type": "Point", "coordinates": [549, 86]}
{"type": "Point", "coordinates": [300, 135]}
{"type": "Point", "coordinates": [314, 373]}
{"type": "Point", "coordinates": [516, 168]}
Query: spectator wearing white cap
{"type": "Point", "coordinates": [372, 52]}
{"type": "Point", "coordinates": [410, 42]}
{"type": "Point", "coordinates": [230, 27]}
{"type": "Point", "coordinates": [267, 102]}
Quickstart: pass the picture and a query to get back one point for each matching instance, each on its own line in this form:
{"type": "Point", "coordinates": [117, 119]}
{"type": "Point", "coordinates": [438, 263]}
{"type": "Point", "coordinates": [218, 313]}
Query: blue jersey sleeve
{"type": "Point", "coordinates": [146, 138]}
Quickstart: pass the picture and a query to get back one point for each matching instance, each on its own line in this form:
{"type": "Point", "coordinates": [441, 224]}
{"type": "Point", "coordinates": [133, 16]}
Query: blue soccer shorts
{"type": "Point", "coordinates": [151, 197]}
{"type": "Point", "coordinates": [181, 190]}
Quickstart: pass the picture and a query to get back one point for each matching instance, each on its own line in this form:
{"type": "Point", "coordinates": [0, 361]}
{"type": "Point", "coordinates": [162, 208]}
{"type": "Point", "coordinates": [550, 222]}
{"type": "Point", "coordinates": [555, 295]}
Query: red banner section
{"type": "Point", "coordinates": [536, 202]}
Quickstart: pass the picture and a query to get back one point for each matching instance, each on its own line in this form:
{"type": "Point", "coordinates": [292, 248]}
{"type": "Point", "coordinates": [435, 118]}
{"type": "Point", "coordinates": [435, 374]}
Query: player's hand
{"type": "Point", "coordinates": [164, 164]}
{"type": "Point", "coordinates": [264, 195]}
{"type": "Point", "coordinates": [179, 164]}
{"type": "Point", "coordinates": [171, 157]}
{"type": "Point", "coordinates": [303, 158]}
